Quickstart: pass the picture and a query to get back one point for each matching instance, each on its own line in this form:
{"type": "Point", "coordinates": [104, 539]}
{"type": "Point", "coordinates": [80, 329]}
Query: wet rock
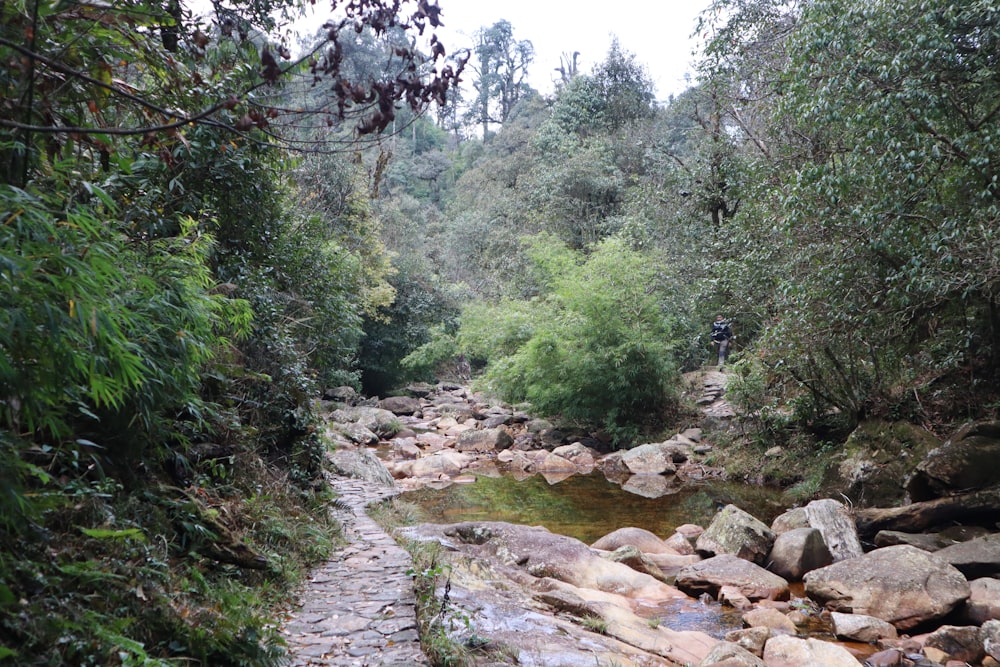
{"type": "Point", "coordinates": [979, 557]}
{"type": "Point", "coordinates": [798, 551]}
{"type": "Point", "coordinates": [734, 597]}
{"type": "Point", "coordinates": [962, 643]}
{"type": "Point", "coordinates": [729, 653]}
{"type": "Point", "coordinates": [486, 440]}
{"type": "Point", "coordinates": [836, 524]}
{"type": "Point", "coordinates": [640, 538]}
{"type": "Point", "coordinates": [786, 651]}
{"type": "Point", "coordinates": [736, 532]}
{"type": "Point", "coordinates": [553, 463]}
{"type": "Point", "coordinates": [861, 628]}
{"type": "Point", "coordinates": [709, 575]}
{"type": "Point", "coordinates": [445, 462]}
{"type": "Point", "coordinates": [902, 585]}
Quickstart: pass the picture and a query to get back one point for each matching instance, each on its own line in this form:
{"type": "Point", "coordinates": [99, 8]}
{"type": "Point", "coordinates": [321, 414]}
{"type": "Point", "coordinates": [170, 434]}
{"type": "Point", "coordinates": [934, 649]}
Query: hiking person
{"type": "Point", "coordinates": [722, 335]}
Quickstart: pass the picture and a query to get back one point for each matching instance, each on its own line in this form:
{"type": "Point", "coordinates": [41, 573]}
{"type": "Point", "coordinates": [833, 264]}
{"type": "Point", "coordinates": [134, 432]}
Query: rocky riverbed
{"type": "Point", "coordinates": [809, 588]}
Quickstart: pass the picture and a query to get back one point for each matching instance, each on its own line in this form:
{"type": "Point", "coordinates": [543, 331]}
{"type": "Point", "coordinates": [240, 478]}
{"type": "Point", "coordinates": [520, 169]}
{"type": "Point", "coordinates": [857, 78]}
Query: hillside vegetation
{"type": "Point", "coordinates": [201, 231]}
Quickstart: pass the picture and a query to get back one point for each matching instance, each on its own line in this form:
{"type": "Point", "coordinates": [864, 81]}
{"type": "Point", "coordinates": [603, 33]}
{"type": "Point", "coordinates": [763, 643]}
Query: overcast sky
{"type": "Point", "coordinates": [658, 33]}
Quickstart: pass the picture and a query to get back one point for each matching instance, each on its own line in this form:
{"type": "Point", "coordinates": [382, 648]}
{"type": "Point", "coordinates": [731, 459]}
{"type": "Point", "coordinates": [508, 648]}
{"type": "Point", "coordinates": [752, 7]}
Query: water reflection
{"type": "Point", "coordinates": [588, 507]}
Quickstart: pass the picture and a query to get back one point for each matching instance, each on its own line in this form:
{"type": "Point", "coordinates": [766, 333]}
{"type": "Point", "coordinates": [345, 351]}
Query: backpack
{"type": "Point", "coordinates": [721, 331]}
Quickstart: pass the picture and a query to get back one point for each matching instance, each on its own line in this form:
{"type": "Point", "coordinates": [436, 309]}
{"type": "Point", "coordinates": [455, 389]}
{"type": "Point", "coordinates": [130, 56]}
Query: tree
{"type": "Point", "coordinates": [500, 70]}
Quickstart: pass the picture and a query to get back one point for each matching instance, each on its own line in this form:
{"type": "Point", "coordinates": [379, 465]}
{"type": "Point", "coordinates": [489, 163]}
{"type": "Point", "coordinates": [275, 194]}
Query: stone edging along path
{"type": "Point", "coordinates": [358, 610]}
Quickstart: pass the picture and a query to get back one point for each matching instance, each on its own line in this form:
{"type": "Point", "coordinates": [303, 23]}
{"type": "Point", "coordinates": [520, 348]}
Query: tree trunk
{"type": "Point", "coordinates": [981, 505]}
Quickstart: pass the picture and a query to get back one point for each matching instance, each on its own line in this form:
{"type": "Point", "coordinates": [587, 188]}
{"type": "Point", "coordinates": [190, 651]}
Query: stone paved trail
{"type": "Point", "coordinates": [358, 609]}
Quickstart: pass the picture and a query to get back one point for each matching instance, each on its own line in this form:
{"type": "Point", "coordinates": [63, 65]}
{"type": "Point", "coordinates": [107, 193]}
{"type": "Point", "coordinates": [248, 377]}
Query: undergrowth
{"type": "Point", "coordinates": [155, 575]}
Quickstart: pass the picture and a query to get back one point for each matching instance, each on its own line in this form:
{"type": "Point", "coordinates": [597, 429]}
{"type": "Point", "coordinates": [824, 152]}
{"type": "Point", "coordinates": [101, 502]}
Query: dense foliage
{"type": "Point", "coordinates": [178, 287]}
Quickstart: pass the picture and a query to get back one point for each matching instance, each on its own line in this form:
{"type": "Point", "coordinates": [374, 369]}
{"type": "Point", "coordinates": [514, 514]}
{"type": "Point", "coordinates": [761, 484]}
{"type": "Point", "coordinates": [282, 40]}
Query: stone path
{"type": "Point", "coordinates": [359, 608]}
{"type": "Point", "coordinates": [711, 401]}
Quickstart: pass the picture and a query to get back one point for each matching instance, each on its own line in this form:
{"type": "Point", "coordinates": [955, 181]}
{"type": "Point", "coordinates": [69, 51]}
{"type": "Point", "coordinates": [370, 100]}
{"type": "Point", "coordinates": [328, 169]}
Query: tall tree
{"type": "Point", "coordinates": [501, 69]}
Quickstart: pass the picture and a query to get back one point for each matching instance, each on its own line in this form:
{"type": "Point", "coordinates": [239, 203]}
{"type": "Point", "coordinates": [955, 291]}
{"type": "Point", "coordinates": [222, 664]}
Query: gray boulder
{"type": "Point", "coordinates": [902, 585]}
{"type": "Point", "coordinates": [976, 558]}
{"type": "Point", "coordinates": [736, 532]}
{"type": "Point", "coordinates": [486, 440]}
{"type": "Point", "coordinates": [861, 628]}
{"type": "Point", "coordinates": [837, 526]}
{"type": "Point", "coordinates": [711, 574]}
{"type": "Point", "coordinates": [400, 405]}
{"type": "Point", "coordinates": [798, 551]}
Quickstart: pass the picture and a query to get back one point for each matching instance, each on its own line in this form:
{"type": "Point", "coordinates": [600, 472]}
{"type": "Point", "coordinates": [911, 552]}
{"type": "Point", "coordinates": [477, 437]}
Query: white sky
{"type": "Point", "coordinates": [657, 32]}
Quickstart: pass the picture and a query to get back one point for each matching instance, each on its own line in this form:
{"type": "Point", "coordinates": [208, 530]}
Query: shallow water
{"type": "Point", "coordinates": [588, 507]}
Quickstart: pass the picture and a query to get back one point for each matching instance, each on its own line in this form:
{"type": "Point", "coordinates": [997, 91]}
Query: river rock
{"type": "Point", "coordinates": [649, 459]}
{"type": "Point", "coordinates": [709, 575]}
{"type": "Point", "coordinates": [861, 628]}
{"type": "Point", "coordinates": [925, 541]}
{"type": "Point", "coordinates": [902, 585]}
{"type": "Point", "coordinates": [552, 462]}
{"type": "Point", "coordinates": [967, 460]}
{"type": "Point", "coordinates": [984, 601]}
{"type": "Point", "coordinates": [752, 639]}
{"type": "Point", "coordinates": [400, 405]}
{"type": "Point", "coordinates": [798, 551]}
{"type": "Point", "coordinates": [836, 525]}
{"type": "Point", "coordinates": [640, 538]}
{"type": "Point", "coordinates": [638, 561]}
{"type": "Point", "coordinates": [962, 643]}
{"type": "Point", "coordinates": [979, 557]}
{"type": "Point", "coordinates": [485, 440]}
{"type": "Point", "coordinates": [990, 634]}
{"type": "Point", "coordinates": [790, 520]}
{"type": "Point", "coordinates": [736, 532]}
{"type": "Point", "coordinates": [581, 455]}
{"type": "Point", "coordinates": [443, 463]}
{"type": "Point", "coordinates": [380, 422]}
{"type": "Point", "coordinates": [766, 617]}
{"type": "Point", "coordinates": [731, 655]}
{"type": "Point", "coordinates": [786, 651]}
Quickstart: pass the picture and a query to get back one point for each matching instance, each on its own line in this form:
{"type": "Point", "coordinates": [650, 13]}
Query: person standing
{"type": "Point", "coordinates": [722, 336]}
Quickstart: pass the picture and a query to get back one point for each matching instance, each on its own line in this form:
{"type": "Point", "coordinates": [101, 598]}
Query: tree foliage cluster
{"type": "Point", "coordinates": [177, 289]}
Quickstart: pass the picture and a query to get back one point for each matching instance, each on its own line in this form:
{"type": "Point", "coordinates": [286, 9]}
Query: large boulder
{"type": "Point", "coordinates": [984, 601]}
{"type": "Point", "coordinates": [861, 628]}
{"type": "Point", "coordinates": [976, 558]}
{"type": "Point", "coordinates": [736, 532]}
{"type": "Point", "coordinates": [902, 585]}
{"type": "Point", "coordinates": [711, 574]}
{"type": "Point", "coordinates": [640, 538]}
{"type": "Point", "coordinates": [836, 524]}
{"type": "Point", "coordinates": [650, 459]}
{"type": "Point", "coordinates": [785, 651]}
{"type": "Point", "coordinates": [798, 551]}
{"type": "Point", "coordinates": [879, 456]}
{"type": "Point", "coordinates": [400, 405]}
{"type": "Point", "coordinates": [485, 440]}
{"type": "Point", "coordinates": [380, 422]}
{"type": "Point", "coordinates": [967, 460]}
